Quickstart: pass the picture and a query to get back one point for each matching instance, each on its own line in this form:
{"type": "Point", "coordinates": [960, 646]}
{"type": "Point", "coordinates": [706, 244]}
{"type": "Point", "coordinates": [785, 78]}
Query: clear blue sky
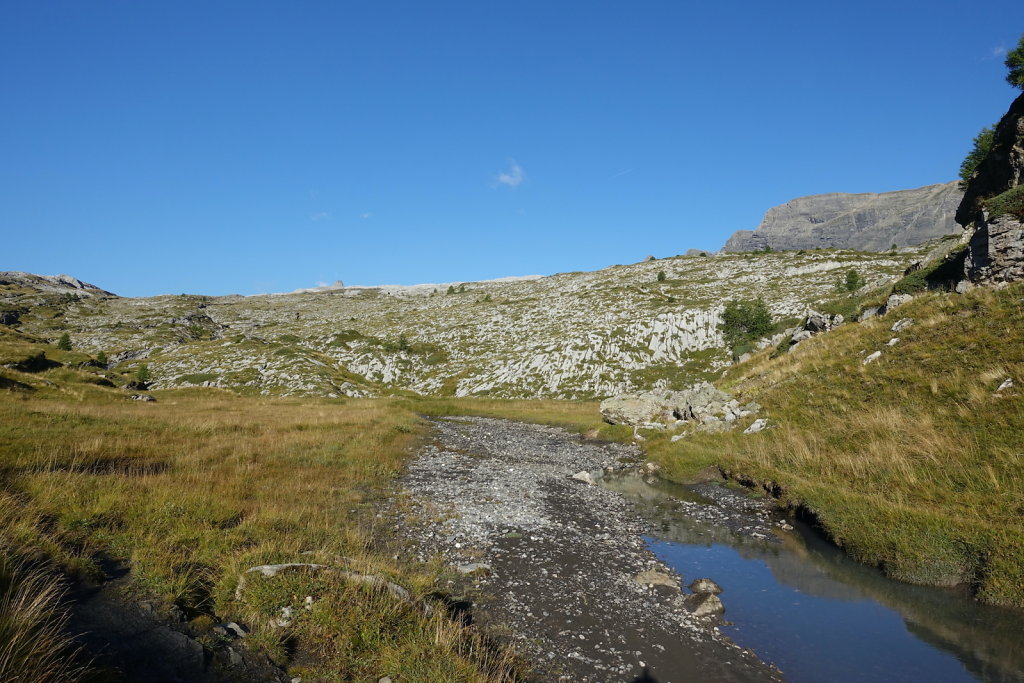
{"type": "Point", "coordinates": [219, 147]}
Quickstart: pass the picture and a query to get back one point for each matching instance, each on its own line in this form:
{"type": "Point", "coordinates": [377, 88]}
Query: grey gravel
{"type": "Point", "coordinates": [562, 556]}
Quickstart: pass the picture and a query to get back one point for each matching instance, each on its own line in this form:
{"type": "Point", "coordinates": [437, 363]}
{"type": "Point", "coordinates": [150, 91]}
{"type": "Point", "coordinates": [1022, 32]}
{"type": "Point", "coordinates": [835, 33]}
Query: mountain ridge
{"type": "Point", "coordinates": [864, 221]}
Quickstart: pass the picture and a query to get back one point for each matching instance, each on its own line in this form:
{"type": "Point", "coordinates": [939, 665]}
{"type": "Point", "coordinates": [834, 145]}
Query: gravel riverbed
{"type": "Point", "coordinates": [558, 565]}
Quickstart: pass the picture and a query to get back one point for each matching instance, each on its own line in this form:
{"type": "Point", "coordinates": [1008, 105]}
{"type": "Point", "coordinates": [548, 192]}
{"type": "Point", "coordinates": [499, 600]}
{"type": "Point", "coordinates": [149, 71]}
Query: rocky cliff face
{"type": "Point", "coordinates": [996, 249]}
{"type": "Point", "coordinates": [865, 222]}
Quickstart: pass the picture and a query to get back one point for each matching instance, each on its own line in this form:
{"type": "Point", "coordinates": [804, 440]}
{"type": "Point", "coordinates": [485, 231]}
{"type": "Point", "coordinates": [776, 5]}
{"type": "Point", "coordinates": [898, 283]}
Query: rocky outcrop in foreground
{"type": "Point", "coordinates": [702, 405]}
{"type": "Point", "coordinates": [996, 249]}
{"type": "Point", "coordinates": [865, 222]}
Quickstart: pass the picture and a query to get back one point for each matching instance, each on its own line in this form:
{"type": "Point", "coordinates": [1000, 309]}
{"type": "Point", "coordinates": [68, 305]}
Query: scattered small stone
{"type": "Point", "coordinates": [1007, 384]}
{"type": "Point", "coordinates": [800, 336]}
{"type": "Point", "coordinates": [893, 342]}
{"type": "Point", "coordinates": [285, 618]}
{"type": "Point", "coordinates": [704, 604]}
{"type": "Point", "coordinates": [145, 398]}
{"type": "Point", "coordinates": [895, 300]}
{"type": "Point", "coordinates": [705, 586]}
{"type": "Point", "coordinates": [230, 629]}
{"type": "Point", "coordinates": [871, 358]}
{"type": "Point", "coordinates": [656, 578]}
{"type": "Point", "coordinates": [871, 312]}
{"type": "Point", "coordinates": [902, 324]}
{"type": "Point", "coordinates": [760, 424]}
{"type": "Point", "coordinates": [585, 477]}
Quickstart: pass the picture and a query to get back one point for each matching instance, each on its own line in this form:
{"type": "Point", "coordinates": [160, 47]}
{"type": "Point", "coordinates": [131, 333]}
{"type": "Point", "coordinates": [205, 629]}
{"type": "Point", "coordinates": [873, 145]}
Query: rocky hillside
{"type": "Point", "coordinates": [866, 222]}
{"type": "Point", "coordinates": [571, 335]}
{"type": "Point", "coordinates": [16, 281]}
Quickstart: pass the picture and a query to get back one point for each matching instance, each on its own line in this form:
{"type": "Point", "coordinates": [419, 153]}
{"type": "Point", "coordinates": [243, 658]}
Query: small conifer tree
{"type": "Point", "coordinates": [853, 281]}
{"type": "Point", "coordinates": [1015, 63]}
{"type": "Point", "coordinates": [661, 276]}
{"type": "Point", "coordinates": [64, 343]}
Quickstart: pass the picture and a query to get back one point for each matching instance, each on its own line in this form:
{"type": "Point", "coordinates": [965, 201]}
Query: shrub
{"type": "Point", "coordinates": [982, 145]}
{"type": "Point", "coordinates": [102, 359]}
{"type": "Point", "coordinates": [745, 321]}
{"type": "Point", "coordinates": [912, 283]}
{"type": "Point", "coordinates": [64, 343]}
{"type": "Point", "coordinates": [1010, 202]}
{"type": "Point", "coordinates": [661, 276]}
{"type": "Point", "coordinates": [451, 289]}
{"type": "Point", "coordinates": [142, 373]}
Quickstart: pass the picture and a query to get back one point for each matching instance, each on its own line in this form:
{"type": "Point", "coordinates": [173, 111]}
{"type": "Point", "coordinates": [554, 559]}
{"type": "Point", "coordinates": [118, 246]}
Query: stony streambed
{"type": "Point", "coordinates": [558, 565]}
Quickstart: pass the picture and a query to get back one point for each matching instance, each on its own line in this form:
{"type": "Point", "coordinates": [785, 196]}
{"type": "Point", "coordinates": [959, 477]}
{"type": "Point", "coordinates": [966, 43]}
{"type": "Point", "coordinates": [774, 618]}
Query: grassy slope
{"type": "Point", "coordinates": [912, 462]}
{"type": "Point", "coordinates": [194, 489]}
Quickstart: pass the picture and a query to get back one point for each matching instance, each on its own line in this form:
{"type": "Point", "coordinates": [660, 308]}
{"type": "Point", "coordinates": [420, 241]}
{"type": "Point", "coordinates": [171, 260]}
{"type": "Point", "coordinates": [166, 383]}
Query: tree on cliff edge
{"type": "Point", "coordinates": [1015, 63]}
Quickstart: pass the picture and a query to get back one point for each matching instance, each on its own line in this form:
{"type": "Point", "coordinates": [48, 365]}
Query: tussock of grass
{"type": "Point", "coordinates": [913, 462]}
{"type": "Point", "coordinates": [193, 490]}
{"type": "Point", "coordinates": [34, 647]}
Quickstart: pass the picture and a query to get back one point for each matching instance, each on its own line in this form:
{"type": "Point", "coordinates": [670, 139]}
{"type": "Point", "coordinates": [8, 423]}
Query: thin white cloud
{"type": "Point", "coordinates": [513, 177]}
{"type": "Point", "coordinates": [998, 52]}
{"type": "Point", "coordinates": [365, 215]}
{"type": "Point", "coordinates": [320, 216]}
{"type": "Point", "coordinates": [622, 173]}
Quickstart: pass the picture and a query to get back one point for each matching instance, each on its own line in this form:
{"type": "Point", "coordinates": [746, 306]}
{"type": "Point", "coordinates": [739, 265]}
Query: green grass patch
{"type": "Point", "coordinates": [912, 463]}
{"type": "Point", "coordinates": [1009, 203]}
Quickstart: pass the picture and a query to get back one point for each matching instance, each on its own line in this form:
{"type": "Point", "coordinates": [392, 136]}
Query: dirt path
{"type": "Point", "coordinates": [552, 562]}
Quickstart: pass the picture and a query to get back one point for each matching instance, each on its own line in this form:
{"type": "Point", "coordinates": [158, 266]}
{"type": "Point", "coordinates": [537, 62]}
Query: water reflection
{"type": "Point", "coordinates": [802, 604]}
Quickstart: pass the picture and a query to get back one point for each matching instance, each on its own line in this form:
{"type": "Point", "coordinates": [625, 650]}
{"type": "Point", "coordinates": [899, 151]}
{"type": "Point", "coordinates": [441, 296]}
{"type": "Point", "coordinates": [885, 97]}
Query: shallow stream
{"type": "Point", "coordinates": [803, 605]}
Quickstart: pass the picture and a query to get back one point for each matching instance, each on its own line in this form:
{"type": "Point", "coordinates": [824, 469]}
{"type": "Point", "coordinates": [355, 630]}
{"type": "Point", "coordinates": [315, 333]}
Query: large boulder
{"type": "Point", "coordinates": [701, 403]}
{"type": "Point", "coordinates": [632, 409]}
{"type": "Point", "coordinates": [821, 322]}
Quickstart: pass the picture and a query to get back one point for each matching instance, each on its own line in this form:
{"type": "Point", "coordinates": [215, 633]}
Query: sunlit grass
{"type": "Point", "coordinates": [191, 491]}
{"type": "Point", "coordinates": [913, 462]}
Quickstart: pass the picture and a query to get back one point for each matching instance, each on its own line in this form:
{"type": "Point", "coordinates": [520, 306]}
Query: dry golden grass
{"type": "Point", "coordinates": [34, 645]}
{"type": "Point", "coordinates": [193, 490]}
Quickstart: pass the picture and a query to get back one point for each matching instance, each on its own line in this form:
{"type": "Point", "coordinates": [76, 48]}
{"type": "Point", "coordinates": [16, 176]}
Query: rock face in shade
{"type": "Point", "coordinates": [996, 249]}
{"type": "Point", "coordinates": [865, 222]}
